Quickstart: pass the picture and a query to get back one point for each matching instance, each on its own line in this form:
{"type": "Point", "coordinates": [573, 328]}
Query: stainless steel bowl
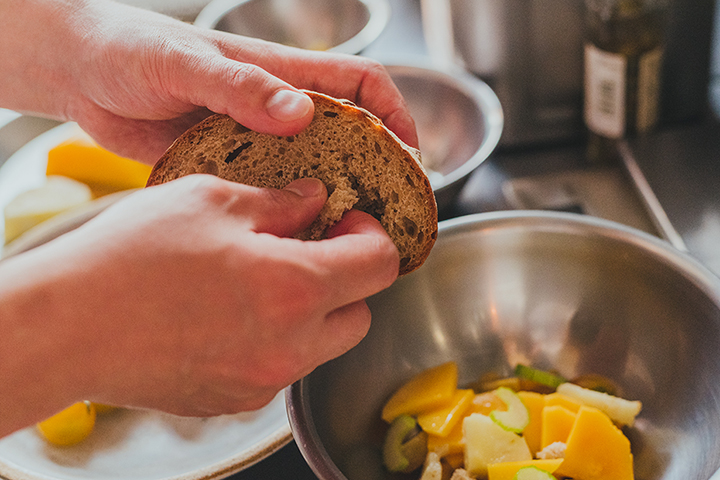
{"type": "Point", "coordinates": [346, 26]}
{"type": "Point", "coordinates": [556, 290]}
{"type": "Point", "coordinates": [459, 122]}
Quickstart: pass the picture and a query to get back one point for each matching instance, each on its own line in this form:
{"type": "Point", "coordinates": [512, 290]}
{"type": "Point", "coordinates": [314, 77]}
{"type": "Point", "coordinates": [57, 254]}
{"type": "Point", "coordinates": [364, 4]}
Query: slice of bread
{"type": "Point", "coordinates": [362, 163]}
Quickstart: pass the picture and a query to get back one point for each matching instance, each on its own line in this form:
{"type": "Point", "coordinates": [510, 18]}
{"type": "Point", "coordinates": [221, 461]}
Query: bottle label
{"type": "Point", "coordinates": [605, 88]}
{"type": "Point", "coordinates": [648, 89]}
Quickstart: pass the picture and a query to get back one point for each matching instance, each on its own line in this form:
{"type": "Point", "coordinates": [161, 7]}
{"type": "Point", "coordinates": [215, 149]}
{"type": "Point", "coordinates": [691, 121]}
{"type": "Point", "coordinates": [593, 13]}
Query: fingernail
{"type": "Point", "coordinates": [306, 187]}
{"type": "Point", "coordinates": [288, 105]}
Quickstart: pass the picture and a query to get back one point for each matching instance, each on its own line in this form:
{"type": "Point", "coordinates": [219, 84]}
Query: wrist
{"type": "Point", "coordinates": [40, 44]}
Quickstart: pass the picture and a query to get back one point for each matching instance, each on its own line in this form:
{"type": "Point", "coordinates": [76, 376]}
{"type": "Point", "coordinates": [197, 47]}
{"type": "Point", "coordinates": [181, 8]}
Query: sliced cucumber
{"type": "Point", "coordinates": [540, 376]}
{"type": "Point", "coordinates": [516, 417]}
{"type": "Point", "coordinates": [533, 473]}
{"type": "Point", "coordinates": [405, 445]}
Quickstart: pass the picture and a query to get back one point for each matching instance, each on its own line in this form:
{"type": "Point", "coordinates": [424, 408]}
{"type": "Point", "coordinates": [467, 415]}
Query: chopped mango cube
{"type": "Point", "coordinates": [507, 470]}
{"type": "Point", "coordinates": [557, 421]}
{"type": "Point", "coordinates": [439, 422]}
{"type": "Point", "coordinates": [535, 402]}
{"type": "Point", "coordinates": [486, 402]}
{"type": "Point", "coordinates": [596, 449]}
{"type": "Point", "coordinates": [430, 389]}
{"type": "Point", "coordinates": [562, 400]}
{"type": "Point", "coordinates": [452, 443]}
{"type": "Point", "coordinates": [103, 171]}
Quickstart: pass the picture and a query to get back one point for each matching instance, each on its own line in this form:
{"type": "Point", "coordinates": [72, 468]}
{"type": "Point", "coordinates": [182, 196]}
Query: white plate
{"type": "Point", "coordinates": [128, 444]}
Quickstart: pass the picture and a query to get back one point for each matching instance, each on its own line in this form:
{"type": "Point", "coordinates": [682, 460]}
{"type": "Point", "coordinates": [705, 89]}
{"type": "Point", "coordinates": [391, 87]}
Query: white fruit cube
{"type": "Point", "coordinates": [486, 442]}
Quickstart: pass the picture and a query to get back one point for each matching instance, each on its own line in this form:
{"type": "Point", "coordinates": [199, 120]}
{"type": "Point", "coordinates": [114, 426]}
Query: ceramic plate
{"type": "Point", "coordinates": [127, 444]}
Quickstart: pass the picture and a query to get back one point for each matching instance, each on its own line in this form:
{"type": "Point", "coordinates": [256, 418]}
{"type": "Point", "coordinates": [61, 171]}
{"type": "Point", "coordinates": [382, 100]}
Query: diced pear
{"type": "Point", "coordinates": [33, 207]}
{"type": "Point", "coordinates": [618, 409]}
{"type": "Point", "coordinates": [516, 417]}
{"type": "Point", "coordinates": [486, 443]}
{"type": "Point", "coordinates": [428, 390]}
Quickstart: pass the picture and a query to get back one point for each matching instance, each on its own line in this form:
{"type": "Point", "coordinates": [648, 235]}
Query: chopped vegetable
{"type": "Point", "coordinates": [535, 402]}
{"type": "Point", "coordinates": [70, 426]}
{"type": "Point", "coordinates": [430, 389]}
{"type": "Point", "coordinates": [618, 409]}
{"type": "Point", "coordinates": [508, 470]}
{"type": "Point", "coordinates": [486, 443]}
{"type": "Point", "coordinates": [532, 473]}
{"type": "Point", "coordinates": [540, 376]}
{"type": "Point", "coordinates": [405, 445]}
{"type": "Point", "coordinates": [516, 417]}
{"type": "Point", "coordinates": [557, 421]}
{"type": "Point", "coordinates": [441, 421]}
{"type": "Point", "coordinates": [596, 449]}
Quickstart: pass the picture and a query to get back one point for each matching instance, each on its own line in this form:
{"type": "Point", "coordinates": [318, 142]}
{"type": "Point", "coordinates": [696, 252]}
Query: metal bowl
{"type": "Point", "coordinates": [346, 26]}
{"type": "Point", "coordinates": [459, 122]}
{"type": "Point", "coordinates": [556, 290]}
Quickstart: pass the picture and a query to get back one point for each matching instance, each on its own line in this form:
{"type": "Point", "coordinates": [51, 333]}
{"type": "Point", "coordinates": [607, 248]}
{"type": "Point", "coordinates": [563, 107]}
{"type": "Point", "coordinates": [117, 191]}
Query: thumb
{"type": "Point", "coordinates": [286, 212]}
{"type": "Point", "coordinates": [251, 96]}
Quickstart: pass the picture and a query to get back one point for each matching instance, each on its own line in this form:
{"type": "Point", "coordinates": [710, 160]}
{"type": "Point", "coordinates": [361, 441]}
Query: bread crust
{"type": "Point", "coordinates": [363, 164]}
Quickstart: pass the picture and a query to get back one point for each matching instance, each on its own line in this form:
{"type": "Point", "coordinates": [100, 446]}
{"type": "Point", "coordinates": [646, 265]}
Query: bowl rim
{"type": "Point", "coordinates": [473, 87]}
{"type": "Point", "coordinates": [379, 15]}
{"type": "Point", "coordinates": [296, 395]}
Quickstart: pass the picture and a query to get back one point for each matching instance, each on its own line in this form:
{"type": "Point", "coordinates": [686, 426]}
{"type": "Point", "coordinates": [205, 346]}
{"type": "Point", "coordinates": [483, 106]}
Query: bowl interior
{"type": "Point", "coordinates": [554, 290]}
{"type": "Point", "coordinates": [458, 119]}
{"type": "Point", "coordinates": [309, 24]}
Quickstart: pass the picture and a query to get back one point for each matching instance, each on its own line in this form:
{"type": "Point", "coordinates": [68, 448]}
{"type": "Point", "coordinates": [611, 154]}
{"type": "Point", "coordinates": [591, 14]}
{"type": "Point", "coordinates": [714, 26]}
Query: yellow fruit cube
{"type": "Point", "coordinates": [557, 422]}
{"type": "Point", "coordinates": [507, 470]}
{"type": "Point", "coordinates": [535, 402]}
{"type": "Point", "coordinates": [452, 443]}
{"type": "Point", "coordinates": [486, 443]}
{"type": "Point", "coordinates": [562, 400]}
{"type": "Point", "coordinates": [596, 449]}
{"type": "Point", "coordinates": [103, 171]}
{"type": "Point", "coordinates": [430, 389]}
{"type": "Point", "coordinates": [439, 422]}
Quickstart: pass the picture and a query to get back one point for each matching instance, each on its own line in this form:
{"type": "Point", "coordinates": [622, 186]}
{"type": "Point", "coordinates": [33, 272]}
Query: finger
{"type": "Point", "coordinates": [359, 259]}
{"type": "Point", "coordinates": [361, 80]}
{"type": "Point", "coordinates": [282, 213]}
{"type": "Point", "coordinates": [249, 94]}
{"type": "Point", "coordinates": [344, 328]}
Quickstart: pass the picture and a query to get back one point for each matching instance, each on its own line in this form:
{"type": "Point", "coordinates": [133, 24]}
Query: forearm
{"type": "Point", "coordinates": [40, 47]}
{"type": "Point", "coordinates": [38, 370]}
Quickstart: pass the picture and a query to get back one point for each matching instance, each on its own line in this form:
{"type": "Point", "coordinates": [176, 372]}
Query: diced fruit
{"type": "Point", "coordinates": [69, 426]}
{"type": "Point", "coordinates": [618, 409]}
{"type": "Point", "coordinates": [486, 402]}
{"type": "Point", "coordinates": [535, 402]}
{"type": "Point", "coordinates": [532, 473]}
{"type": "Point", "coordinates": [33, 207]}
{"type": "Point", "coordinates": [441, 421]}
{"type": "Point", "coordinates": [562, 400]}
{"type": "Point", "coordinates": [516, 417]}
{"type": "Point", "coordinates": [405, 445]}
{"type": "Point", "coordinates": [596, 449]}
{"type": "Point", "coordinates": [428, 390]}
{"type": "Point", "coordinates": [450, 444]}
{"type": "Point", "coordinates": [508, 470]}
{"type": "Point", "coordinates": [557, 422]}
{"type": "Point", "coordinates": [540, 376]}
{"type": "Point", "coordinates": [486, 443]}
{"type": "Point", "coordinates": [105, 172]}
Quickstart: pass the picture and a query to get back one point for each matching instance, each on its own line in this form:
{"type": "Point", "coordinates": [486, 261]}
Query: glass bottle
{"type": "Point", "coordinates": [624, 46]}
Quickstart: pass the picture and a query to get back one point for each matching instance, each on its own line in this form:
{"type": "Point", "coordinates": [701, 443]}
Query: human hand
{"type": "Point", "coordinates": [189, 297]}
{"type": "Point", "coordinates": [135, 80]}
